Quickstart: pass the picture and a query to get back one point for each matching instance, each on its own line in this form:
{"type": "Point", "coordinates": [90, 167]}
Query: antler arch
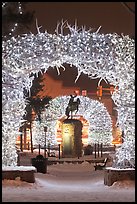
{"type": "Point", "coordinates": [105, 56]}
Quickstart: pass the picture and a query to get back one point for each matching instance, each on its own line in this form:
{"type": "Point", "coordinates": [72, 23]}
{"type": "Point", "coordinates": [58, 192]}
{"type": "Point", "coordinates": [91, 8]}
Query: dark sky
{"type": "Point", "coordinates": [113, 17]}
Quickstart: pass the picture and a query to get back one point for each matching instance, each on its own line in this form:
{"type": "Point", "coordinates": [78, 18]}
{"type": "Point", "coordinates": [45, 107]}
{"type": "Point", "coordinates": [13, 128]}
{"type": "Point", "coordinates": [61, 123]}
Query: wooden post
{"type": "Point", "coordinates": [98, 149]}
{"type": "Point", "coordinates": [39, 149]}
{"type": "Point", "coordinates": [95, 150]}
{"type": "Point", "coordinates": [59, 151]}
{"type": "Point", "coordinates": [45, 147]}
{"type": "Point", "coordinates": [25, 138]}
{"type": "Point", "coordinates": [45, 130]}
{"type": "Point", "coordinates": [21, 148]}
{"type": "Point", "coordinates": [101, 149]}
{"type": "Point", "coordinates": [49, 149]}
{"type": "Point", "coordinates": [28, 145]}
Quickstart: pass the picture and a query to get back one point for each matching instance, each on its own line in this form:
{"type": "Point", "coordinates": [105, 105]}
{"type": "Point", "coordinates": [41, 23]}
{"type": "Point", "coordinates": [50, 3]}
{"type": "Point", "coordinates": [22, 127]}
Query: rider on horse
{"type": "Point", "coordinates": [72, 105]}
{"type": "Point", "coordinates": [72, 99]}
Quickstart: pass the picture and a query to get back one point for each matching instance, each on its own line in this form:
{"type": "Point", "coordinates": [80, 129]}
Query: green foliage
{"type": "Point", "coordinates": [11, 16]}
{"type": "Point", "coordinates": [33, 101]}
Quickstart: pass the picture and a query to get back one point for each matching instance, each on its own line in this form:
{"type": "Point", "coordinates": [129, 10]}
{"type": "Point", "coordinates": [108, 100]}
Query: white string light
{"type": "Point", "coordinates": [12, 30]}
{"type": "Point", "coordinates": [4, 4]}
{"type": "Point", "coordinates": [107, 56]}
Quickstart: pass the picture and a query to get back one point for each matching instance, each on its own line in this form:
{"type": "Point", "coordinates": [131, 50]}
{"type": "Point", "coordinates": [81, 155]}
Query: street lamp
{"type": "Point", "coordinates": [45, 130]}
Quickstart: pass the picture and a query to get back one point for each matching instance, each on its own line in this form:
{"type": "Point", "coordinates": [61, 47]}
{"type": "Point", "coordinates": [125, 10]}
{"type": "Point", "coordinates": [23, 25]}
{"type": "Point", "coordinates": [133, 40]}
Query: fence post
{"type": "Point", "coordinates": [59, 151]}
{"type": "Point", "coordinates": [45, 130]}
{"type": "Point", "coordinates": [101, 149]}
{"type": "Point", "coordinates": [28, 145]}
{"type": "Point", "coordinates": [39, 149]}
{"type": "Point", "coordinates": [95, 150]}
{"type": "Point", "coordinates": [98, 149]}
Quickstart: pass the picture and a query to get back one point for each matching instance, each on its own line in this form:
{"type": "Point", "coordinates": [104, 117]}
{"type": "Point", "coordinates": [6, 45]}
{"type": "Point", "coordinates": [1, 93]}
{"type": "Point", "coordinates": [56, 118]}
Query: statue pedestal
{"type": "Point", "coordinates": [71, 138]}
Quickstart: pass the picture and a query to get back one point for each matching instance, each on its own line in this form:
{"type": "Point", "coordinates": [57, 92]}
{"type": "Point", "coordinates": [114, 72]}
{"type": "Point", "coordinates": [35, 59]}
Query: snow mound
{"type": "Point", "coordinates": [124, 184]}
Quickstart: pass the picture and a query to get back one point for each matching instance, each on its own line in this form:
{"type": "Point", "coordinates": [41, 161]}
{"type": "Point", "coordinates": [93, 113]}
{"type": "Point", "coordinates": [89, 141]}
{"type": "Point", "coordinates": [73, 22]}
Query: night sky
{"type": "Point", "coordinates": [113, 17]}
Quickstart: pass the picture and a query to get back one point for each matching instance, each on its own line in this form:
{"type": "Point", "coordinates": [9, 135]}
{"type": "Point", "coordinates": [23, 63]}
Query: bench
{"type": "Point", "coordinates": [100, 165]}
{"type": "Point", "coordinates": [26, 173]}
{"type": "Point", "coordinates": [112, 175]}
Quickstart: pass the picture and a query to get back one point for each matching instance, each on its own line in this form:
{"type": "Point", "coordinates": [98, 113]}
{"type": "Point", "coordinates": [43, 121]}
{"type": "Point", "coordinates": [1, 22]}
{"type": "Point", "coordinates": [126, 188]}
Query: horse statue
{"type": "Point", "coordinates": [72, 106]}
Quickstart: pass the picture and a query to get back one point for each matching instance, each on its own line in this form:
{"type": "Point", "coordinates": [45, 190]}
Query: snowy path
{"type": "Point", "coordinates": [68, 183]}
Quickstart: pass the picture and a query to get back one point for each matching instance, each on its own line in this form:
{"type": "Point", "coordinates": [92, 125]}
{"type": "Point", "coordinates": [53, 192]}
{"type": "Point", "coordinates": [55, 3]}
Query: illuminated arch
{"type": "Point", "coordinates": [105, 56]}
{"type": "Point", "coordinates": [100, 124]}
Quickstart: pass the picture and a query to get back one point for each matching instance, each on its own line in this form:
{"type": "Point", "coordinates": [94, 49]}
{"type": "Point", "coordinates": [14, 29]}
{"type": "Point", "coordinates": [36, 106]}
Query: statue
{"type": "Point", "coordinates": [72, 106]}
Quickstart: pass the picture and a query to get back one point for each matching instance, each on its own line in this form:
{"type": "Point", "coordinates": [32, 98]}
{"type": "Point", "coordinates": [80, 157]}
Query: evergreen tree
{"type": "Point", "coordinates": [33, 101]}
{"type": "Point", "coordinates": [15, 18]}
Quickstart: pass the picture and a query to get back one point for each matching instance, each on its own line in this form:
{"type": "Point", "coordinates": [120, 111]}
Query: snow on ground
{"type": "Point", "coordinates": [18, 168]}
{"type": "Point", "coordinates": [68, 183]}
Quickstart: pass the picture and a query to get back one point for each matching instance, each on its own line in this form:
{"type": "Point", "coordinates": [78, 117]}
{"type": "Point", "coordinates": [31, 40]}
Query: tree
{"type": "Point", "coordinates": [34, 103]}
{"type": "Point", "coordinates": [15, 18]}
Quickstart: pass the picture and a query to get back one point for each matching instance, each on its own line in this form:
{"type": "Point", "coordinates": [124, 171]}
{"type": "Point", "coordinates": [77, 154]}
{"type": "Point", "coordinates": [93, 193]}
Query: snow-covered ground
{"type": "Point", "coordinates": [68, 183]}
